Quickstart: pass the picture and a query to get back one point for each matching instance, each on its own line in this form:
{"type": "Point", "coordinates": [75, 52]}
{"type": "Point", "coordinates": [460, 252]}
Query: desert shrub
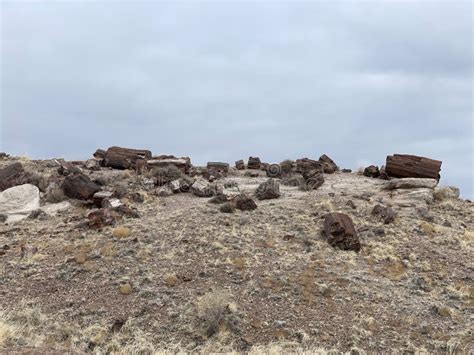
{"type": "Point", "coordinates": [120, 190]}
{"type": "Point", "coordinates": [163, 175]}
{"type": "Point", "coordinates": [287, 166]}
{"type": "Point", "coordinates": [125, 175]}
{"type": "Point", "coordinates": [34, 178]}
{"type": "Point", "coordinates": [55, 195]}
{"type": "Point", "coordinates": [215, 310]}
{"type": "Point", "coordinates": [121, 232]}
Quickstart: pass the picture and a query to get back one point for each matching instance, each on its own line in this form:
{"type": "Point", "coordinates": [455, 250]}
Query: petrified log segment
{"type": "Point", "coordinates": [328, 164]}
{"type": "Point", "coordinates": [254, 163]}
{"type": "Point", "coordinates": [79, 186]}
{"type": "Point", "coordinates": [11, 175]}
{"type": "Point", "coordinates": [404, 165]}
{"type": "Point", "coordinates": [340, 232]}
{"type": "Point", "coordinates": [240, 165]}
{"type": "Point", "coordinates": [143, 153]}
{"type": "Point", "coordinates": [99, 154]}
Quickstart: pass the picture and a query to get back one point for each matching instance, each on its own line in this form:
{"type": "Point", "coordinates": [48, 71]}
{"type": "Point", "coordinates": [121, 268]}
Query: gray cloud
{"type": "Point", "coordinates": [221, 81]}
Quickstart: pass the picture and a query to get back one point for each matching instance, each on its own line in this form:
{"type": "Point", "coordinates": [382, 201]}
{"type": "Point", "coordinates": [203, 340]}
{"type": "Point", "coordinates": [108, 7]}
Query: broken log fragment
{"type": "Point", "coordinates": [183, 164]}
{"type": "Point", "coordinates": [219, 166]}
{"type": "Point", "coordinates": [340, 232]}
{"type": "Point", "coordinates": [404, 165]}
{"type": "Point", "coordinates": [79, 186]}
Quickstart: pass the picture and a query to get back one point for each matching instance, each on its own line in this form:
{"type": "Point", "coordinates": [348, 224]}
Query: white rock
{"type": "Point", "coordinates": [19, 201]}
{"type": "Point", "coordinates": [410, 183]}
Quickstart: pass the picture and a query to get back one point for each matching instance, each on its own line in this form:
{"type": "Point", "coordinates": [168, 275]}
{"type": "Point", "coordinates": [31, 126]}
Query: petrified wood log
{"type": "Point", "coordinates": [340, 232]}
{"type": "Point", "coordinates": [254, 163]}
{"type": "Point", "coordinates": [145, 154]}
{"type": "Point", "coordinates": [305, 165]}
{"type": "Point", "coordinates": [404, 165]}
{"type": "Point", "coordinates": [11, 176]}
{"type": "Point", "coordinates": [240, 165]}
{"type": "Point", "coordinates": [328, 164]}
{"type": "Point", "coordinates": [79, 186]}
{"type": "Point", "coordinates": [99, 154]}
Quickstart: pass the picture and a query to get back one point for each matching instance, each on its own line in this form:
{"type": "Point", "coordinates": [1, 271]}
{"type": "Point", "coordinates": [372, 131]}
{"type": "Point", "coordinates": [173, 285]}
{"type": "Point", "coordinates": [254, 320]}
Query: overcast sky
{"type": "Point", "coordinates": [222, 81]}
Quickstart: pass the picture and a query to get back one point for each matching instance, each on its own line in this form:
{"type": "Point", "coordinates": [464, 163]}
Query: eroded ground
{"type": "Point", "coordinates": [185, 276]}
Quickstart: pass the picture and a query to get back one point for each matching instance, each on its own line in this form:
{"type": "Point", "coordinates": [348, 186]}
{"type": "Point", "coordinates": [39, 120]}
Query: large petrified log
{"type": "Point", "coordinates": [340, 231]}
{"type": "Point", "coordinates": [79, 186]}
{"type": "Point", "coordinates": [143, 153]}
{"type": "Point", "coordinates": [11, 175]}
{"type": "Point", "coordinates": [404, 165]}
{"type": "Point", "coordinates": [123, 158]}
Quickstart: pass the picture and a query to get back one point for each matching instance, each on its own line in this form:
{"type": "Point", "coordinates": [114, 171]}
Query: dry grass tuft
{"type": "Point", "coordinates": [121, 232]}
{"type": "Point", "coordinates": [428, 229]}
{"type": "Point", "coordinates": [214, 312]}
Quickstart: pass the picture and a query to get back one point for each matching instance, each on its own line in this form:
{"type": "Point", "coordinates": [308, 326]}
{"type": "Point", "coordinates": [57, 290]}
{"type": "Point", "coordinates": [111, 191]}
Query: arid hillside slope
{"type": "Point", "coordinates": [175, 271]}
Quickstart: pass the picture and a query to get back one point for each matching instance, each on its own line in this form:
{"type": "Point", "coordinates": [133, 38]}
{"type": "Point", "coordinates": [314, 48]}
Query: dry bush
{"type": "Point", "coordinates": [214, 311]}
{"type": "Point", "coordinates": [121, 232]}
{"type": "Point", "coordinates": [428, 228]}
{"type": "Point", "coordinates": [55, 195]}
{"type": "Point", "coordinates": [163, 175]}
{"type": "Point", "coordinates": [287, 166]}
{"type": "Point", "coordinates": [34, 178]}
{"type": "Point", "coordinates": [125, 175]}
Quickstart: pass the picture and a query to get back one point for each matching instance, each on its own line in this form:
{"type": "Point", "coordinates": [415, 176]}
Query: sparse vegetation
{"type": "Point", "coordinates": [121, 232]}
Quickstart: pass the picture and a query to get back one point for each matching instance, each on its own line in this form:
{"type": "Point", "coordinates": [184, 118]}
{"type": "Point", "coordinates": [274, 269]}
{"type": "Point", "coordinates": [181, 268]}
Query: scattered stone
{"type": "Point", "coordinates": [218, 199]}
{"type": "Point", "coordinates": [329, 166]}
{"type": "Point", "coordinates": [410, 183]}
{"type": "Point", "coordinates": [100, 196]}
{"type": "Point", "coordinates": [3, 217]}
{"type": "Point", "coordinates": [240, 165]}
{"type": "Point", "coordinates": [179, 185]}
{"type": "Point", "coordinates": [79, 186]}
{"type": "Point", "coordinates": [98, 219]}
{"type": "Point", "coordinates": [243, 202]}
{"type": "Point", "coordinates": [164, 191]}
{"type": "Point", "coordinates": [340, 232]}
{"type": "Point", "coordinates": [112, 203]}
{"type": "Point", "coordinates": [38, 214]}
{"type": "Point", "coordinates": [372, 171]}
{"type": "Point", "coordinates": [351, 204]}
{"type": "Point", "coordinates": [274, 171]}
{"type": "Point", "coordinates": [54, 208]}
{"type": "Point", "coordinates": [254, 163]}
{"type": "Point", "coordinates": [11, 176]}
{"type": "Point", "coordinates": [231, 185]}
{"type": "Point", "coordinates": [19, 201]}
{"type": "Point", "coordinates": [346, 171]}
{"type": "Point", "coordinates": [387, 214]}
{"type": "Point", "coordinates": [227, 207]}
{"type": "Point", "coordinates": [202, 188]}
{"type": "Point", "coordinates": [92, 164]}
{"type": "Point", "coordinates": [270, 189]}
{"type": "Point", "coordinates": [66, 168]}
